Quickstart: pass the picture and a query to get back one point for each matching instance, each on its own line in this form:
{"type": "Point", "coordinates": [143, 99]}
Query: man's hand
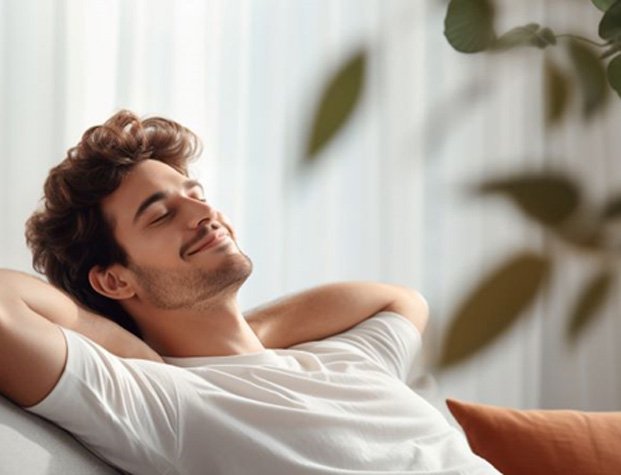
{"type": "Point", "coordinates": [33, 351]}
{"type": "Point", "coordinates": [329, 309]}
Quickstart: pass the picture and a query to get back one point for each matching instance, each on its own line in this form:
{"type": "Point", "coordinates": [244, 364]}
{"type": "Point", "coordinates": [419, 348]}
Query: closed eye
{"type": "Point", "coordinates": [161, 218]}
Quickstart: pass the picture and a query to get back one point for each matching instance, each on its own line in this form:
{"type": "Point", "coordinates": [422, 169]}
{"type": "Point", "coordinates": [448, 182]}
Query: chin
{"type": "Point", "coordinates": [241, 267]}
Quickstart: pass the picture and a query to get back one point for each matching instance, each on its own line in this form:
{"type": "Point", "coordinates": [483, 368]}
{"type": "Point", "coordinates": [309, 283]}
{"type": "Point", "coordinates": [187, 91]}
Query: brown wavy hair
{"type": "Point", "coordinates": [69, 235]}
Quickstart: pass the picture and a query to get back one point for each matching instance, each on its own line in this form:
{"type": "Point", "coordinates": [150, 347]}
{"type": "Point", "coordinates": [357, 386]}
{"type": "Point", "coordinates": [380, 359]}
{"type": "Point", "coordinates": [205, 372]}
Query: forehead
{"type": "Point", "coordinates": [146, 178]}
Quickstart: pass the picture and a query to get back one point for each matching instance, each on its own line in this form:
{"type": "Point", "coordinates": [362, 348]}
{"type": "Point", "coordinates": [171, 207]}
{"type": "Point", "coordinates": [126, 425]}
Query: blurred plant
{"type": "Point", "coordinates": [552, 200]}
{"type": "Point", "coordinates": [469, 28]}
{"type": "Point", "coordinates": [338, 101]}
{"type": "Point", "coordinates": [555, 202]}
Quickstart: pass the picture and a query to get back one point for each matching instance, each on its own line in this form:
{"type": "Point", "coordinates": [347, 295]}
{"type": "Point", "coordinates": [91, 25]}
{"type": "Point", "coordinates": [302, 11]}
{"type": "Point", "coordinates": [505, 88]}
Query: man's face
{"type": "Point", "coordinates": [163, 222]}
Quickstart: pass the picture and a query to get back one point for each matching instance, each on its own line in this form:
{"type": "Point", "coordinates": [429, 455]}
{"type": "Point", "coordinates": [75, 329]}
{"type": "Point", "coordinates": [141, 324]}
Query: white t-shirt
{"type": "Point", "coordinates": [332, 406]}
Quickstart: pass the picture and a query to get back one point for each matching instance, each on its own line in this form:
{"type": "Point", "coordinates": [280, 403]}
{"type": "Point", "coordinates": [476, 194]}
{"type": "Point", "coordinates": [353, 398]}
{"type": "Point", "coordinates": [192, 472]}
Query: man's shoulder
{"type": "Point", "coordinates": [411, 305]}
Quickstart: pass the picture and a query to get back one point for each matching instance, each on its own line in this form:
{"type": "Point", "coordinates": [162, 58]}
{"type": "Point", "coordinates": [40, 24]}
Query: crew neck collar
{"type": "Point", "coordinates": [261, 356]}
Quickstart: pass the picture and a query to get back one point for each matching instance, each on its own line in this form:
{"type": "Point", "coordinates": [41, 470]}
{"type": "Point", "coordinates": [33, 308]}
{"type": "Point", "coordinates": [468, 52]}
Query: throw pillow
{"type": "Point", "coordinates": [542, 442]}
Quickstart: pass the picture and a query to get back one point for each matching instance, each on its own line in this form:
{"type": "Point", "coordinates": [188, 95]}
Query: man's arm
{"type": "Point", "coordinates": [329, 309]}
{"type": "Point", "coordinates": [32, 348]}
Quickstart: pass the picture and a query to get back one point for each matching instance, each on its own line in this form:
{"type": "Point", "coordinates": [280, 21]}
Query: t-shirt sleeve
{"type": "Point", "coordinates": [387, 339]}
{"type": "Point", "coordinates": [124, 410]}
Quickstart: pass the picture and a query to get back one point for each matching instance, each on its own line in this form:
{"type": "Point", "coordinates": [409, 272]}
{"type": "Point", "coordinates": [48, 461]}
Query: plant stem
{"type": "Point", "coordinates": [581, 38]}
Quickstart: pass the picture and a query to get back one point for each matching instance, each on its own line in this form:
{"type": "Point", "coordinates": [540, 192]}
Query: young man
{"type": "Point", "coordinates": [139, 347]}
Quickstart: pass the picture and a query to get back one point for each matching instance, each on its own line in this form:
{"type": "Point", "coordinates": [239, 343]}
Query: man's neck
{"type": "Point", "coordinates": [210, 330]}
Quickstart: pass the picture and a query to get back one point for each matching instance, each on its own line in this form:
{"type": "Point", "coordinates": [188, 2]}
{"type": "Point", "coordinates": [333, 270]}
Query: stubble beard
{"type": "Point", "coordinates": [193, 288]}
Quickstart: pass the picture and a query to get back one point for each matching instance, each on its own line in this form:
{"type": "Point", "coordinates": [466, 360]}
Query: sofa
{"type": "Point", "coordinates": [30, 445]}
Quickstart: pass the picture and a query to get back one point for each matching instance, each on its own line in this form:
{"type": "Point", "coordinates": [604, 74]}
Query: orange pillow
{"type": "Point", "coordinates": [538, 442]}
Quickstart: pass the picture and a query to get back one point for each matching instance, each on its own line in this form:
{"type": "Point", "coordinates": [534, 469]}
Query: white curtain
{"type": "Point", "coordinates": [388, 200]}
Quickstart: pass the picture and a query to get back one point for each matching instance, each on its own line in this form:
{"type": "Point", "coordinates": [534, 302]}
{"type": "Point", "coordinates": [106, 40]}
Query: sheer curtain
{"type": "Point", "coordinates": [388, 200]}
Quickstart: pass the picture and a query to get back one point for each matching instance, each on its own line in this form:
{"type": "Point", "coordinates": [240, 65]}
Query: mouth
{"type": "Point", "coordinates": [213, 239]}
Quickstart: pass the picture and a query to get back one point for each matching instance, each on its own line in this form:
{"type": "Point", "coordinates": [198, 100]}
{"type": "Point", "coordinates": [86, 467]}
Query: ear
{"type": "Point", "coordinates": [111, 282]}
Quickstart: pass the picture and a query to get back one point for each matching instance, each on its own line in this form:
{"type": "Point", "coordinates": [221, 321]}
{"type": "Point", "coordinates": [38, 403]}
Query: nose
{"type": "Point", "coordinates": [201, 213]}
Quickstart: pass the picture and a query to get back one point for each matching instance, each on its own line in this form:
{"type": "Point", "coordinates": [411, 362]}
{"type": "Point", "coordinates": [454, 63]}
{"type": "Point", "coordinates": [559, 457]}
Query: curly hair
{"type": "Point", "coordinates": [69, 234]}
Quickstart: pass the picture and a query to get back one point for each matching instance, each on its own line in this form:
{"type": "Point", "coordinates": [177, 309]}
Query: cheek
{"type": "Point", "coordinates": [227, 223]}
{"type": "Point", "coordinates": [156, 248]}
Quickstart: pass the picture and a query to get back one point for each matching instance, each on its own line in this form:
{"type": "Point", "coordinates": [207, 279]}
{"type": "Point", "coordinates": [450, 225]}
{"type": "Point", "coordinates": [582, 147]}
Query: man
{"type": "Point", "coordinates": [139, 347]}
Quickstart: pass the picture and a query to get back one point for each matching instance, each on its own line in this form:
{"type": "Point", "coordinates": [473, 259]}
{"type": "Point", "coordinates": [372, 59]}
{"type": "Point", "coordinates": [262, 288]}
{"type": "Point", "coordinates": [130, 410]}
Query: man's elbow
{"type": "Point", "coordinates": [410, 304]}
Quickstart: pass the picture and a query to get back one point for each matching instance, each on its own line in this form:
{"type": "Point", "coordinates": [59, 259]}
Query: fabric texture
{"type": "Point", "coordinates": [542, 442]}
{"type": "Point", "coordinates": [332, 406]}
{"type": "Point", "coordinates": [34, 446]}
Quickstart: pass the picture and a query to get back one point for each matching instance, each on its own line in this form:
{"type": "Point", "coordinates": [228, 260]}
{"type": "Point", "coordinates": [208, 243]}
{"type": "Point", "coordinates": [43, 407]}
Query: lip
{"type": "Point", "coordinates": [211, 240]}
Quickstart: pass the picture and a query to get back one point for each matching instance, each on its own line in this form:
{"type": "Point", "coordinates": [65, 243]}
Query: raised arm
{"type": "Point", "coordinates": [32, 348]}
{"type": "Point", "coordinates": [329, 309]}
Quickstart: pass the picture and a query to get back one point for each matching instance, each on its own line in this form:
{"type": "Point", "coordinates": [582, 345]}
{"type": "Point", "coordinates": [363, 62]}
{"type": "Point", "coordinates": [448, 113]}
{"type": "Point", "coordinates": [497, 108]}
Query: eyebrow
{"type": "Point", "coordinates": [160, 195]}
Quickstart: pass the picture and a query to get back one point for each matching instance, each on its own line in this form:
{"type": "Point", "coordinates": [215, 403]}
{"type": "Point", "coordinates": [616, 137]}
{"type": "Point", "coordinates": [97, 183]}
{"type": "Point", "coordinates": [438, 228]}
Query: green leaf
{"type": "Point", "coordinates": [589, 302]}
{"type": "Point", "coordinates": [548, 199]}
{"type": "Point", "coordinates": [603, 5]}
{"type": "Point", "coordinates": [547, 36]}
{"type": "Point", "coordinates": [491, 309]}
{"type": "Point", "coordinates": [611, 51]}
{"type": "Point", "coordinates": [614, 74]}
{"type": "Point", "coordinates": [584, 233]}
{"type": "Point", "coordinates": [591, 77]}
{"type": "Point", "coordinates": [527, 35]}
{"type": "Point", "coordinates": [518, 36]}
{"type": "Point", "coordinates": [337, 103]}
{"type": "Point", "coordinates": [556, 92]}
{"type": "Point", "coordinates": [610, 24]}
{"type": "Point", "coordinates": [612, 209]}
{"type": "Point", "coordinates": [468, 25]}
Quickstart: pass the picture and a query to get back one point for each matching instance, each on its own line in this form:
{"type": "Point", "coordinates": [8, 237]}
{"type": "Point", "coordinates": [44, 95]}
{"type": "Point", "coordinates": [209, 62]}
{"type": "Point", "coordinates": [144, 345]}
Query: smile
{"type": "Point", "coordinates": [211, 242]}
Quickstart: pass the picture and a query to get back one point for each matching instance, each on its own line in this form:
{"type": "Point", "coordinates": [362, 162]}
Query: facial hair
{"type": "Point", "coordinates": [193, 288]}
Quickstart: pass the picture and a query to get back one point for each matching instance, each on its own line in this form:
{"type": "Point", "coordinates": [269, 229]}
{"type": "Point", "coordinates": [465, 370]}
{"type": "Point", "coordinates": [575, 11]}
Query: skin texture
{"type": "Point", "coordinates": [185, 305]}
